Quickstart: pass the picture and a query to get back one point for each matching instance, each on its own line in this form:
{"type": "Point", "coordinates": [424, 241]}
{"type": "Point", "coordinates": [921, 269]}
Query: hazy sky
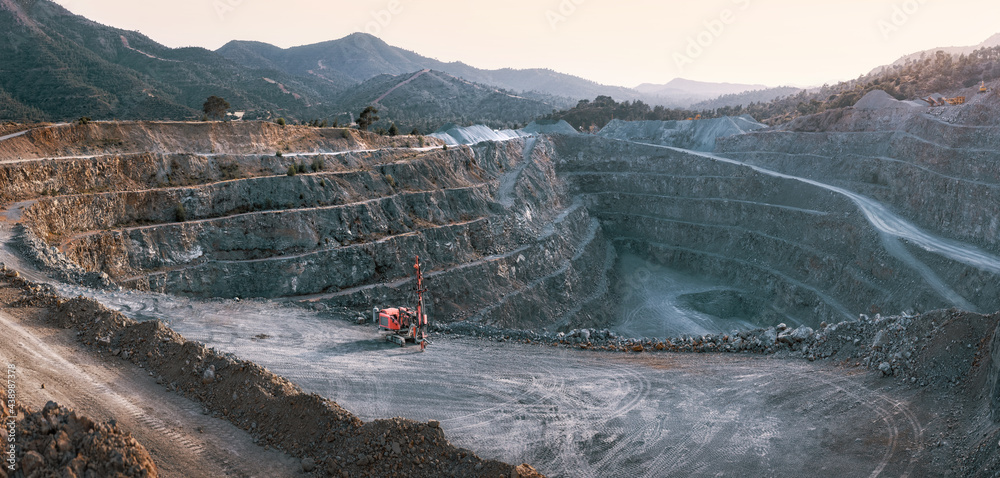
{"type": "Point", "coordinates": [620, 42]}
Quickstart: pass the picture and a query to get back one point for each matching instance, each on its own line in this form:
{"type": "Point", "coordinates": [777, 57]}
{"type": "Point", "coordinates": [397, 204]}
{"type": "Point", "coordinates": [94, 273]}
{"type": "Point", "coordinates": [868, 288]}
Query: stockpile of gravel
{"type": "Point", "coordinates": [57, 441]}
{"type": "Point", "coordinates": [329, 440]}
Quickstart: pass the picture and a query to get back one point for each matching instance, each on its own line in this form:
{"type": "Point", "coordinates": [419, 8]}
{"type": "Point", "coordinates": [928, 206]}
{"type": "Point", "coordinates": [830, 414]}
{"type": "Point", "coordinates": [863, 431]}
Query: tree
{"type": "Point", "coordinates": [367, 118]}
{"type": "Point", "coordinates": [280, 121]}
{"type": "Point", "coordinates": [393, 130]}
{"type": "Point", "coordinates": [215, 107]}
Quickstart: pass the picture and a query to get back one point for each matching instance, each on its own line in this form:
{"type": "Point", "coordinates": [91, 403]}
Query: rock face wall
{"type": "Point", "coordinates": [807, 254]}
{"type": "Point", "coordinates": [943, 176]}
{"type": "Point", "coordinates": [792, 225]}
{"type": "Point", "coordinates": [500, 240]}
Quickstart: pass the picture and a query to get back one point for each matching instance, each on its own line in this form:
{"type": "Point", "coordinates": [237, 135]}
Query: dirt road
{"type": "Point", "coordinates": [182, 441]}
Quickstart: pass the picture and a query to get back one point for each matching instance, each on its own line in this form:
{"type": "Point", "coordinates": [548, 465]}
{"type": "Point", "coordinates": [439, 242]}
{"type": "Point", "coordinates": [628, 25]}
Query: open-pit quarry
{"type": "Point", "coordinates": [708, 298]}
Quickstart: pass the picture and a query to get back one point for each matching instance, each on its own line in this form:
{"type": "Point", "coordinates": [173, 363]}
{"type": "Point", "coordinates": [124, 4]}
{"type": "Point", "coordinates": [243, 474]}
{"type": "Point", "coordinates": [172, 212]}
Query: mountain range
{"type": "Point", "coordinates": [61, 66]}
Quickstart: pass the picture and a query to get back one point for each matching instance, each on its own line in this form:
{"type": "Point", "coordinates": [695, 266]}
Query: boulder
{"type": "Point", "coordinates": [885, 368]}
{"type": "Point", "coordinates": [769, 337]}
{"type": "Point", "coordinates": [802, 334]}
{"type": "Point", "coordinates": [209, 375]}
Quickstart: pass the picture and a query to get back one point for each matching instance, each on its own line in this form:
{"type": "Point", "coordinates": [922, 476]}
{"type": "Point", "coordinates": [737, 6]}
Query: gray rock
{"type": "Point", "coordinates": [885, 368]}
{"type": "Point", "coordinates": [769, 337]}
{"type": "Point", "coordinates": [308, 465]}
{"type": "Point", "coordinates": [802, 334]}
{"type": "Point", "coordinates": [879, 341]}
{"type": "Point", "coordinates": [208, 376]}
{"type": "Point", "coordinates": [433, 423]}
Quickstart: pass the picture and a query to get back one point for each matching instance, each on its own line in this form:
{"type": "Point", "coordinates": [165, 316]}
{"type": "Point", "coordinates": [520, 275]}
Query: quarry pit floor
{"type": "Point", "coordinates": [584, 413]}
{"type": "Point", "coordinates": [570, 413]}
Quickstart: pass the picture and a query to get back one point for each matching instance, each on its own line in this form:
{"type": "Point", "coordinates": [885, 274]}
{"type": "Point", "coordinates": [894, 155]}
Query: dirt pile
{"type": "Point", "coordinates": [329, 440]}
{"type": "Point", "coordinates": [941, 349]}
{"type": "Point", "coordinates": [57, 441]}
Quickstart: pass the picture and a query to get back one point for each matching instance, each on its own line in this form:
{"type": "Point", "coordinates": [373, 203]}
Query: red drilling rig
{"type": "Point", "coordinates": [402, 323]}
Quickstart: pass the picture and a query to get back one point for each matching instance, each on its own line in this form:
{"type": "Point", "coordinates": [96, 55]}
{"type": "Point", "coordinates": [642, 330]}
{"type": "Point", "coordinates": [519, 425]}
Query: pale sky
{"type": "Point", "coordinates": [616, 42]}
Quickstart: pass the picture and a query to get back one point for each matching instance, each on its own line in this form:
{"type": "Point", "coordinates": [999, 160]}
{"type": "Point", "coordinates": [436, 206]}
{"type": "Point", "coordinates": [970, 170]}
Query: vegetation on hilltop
{"type": "Point", "coordinates": [914, 79]}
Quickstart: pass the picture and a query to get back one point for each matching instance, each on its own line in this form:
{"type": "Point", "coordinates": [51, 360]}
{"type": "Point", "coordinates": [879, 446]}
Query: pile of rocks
{"type": "Point", "coordinates": [937, 348]}
{"type": "Point", "coordinates": [57, 441]}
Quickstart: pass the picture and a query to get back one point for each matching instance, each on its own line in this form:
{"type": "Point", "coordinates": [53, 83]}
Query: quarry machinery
{"type": "Point", "coordinates": [403, 324]}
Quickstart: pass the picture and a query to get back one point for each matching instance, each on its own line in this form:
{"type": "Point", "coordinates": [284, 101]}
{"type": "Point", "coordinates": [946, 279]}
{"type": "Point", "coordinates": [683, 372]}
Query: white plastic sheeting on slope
{"type": "Point", "coordinates": [453, 135]}
{"type": "Point", "coordinates": [697, 135]}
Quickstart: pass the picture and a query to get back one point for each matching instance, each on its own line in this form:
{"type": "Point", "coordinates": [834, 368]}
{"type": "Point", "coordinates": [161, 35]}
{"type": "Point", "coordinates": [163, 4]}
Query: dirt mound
{"type": "Point", "coordinates": [329, 440]}
{"type": "Point", "coordinates": [57, 441]}
{"type": "Point", "coordinates": [878, 99]}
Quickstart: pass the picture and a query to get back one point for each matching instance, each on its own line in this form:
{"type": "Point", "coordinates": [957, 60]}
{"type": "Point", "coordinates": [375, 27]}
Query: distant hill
{"type": "Point", "coordinates": [951, 50]}
{"type": "Point", "coordinates": [361, 56]}
{"type": "Point", "coordinates": [687, 92]}
{"type": "Point", "coordinates": [425, 99]}
{"type": "Point", "coordinates": [57, 66]}
{"type": "Point", "coordinates": [747, 97]}
{"type": "Point", "coordinates": [66, 66]}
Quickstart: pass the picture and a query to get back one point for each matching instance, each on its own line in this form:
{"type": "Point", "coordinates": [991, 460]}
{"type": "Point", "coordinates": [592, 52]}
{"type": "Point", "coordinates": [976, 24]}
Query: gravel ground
{"type": "Point", "coordinates": [599, 408]}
